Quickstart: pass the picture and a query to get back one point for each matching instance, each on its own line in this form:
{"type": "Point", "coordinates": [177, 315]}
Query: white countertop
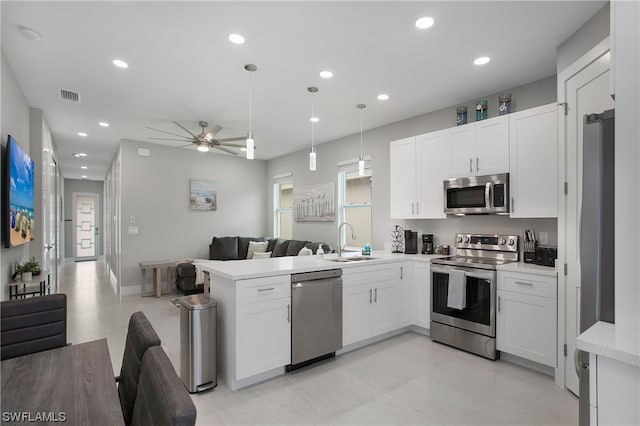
{"type": "Point", "coordinates": [528, 268]}
{"type": "Point", "coordinates": [612, 341]}
{"type": "Point", "coordinates": [256, 268]}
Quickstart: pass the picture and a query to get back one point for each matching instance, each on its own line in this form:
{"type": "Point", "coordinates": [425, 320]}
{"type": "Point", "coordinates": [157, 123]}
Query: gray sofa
{"type": "Point", "coordinates": [236, 248]}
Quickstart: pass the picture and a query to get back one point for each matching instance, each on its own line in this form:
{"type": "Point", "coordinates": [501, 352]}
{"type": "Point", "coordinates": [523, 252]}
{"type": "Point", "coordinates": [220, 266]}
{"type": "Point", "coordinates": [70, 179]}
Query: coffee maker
{"type": "Point", "coordinates": [410, 242]}
{"type": "Point", "coordinates": [427, 243]}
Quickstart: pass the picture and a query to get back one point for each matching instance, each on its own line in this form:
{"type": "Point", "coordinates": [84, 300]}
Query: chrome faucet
{"type": "Point", "coordinates": [353, 236]}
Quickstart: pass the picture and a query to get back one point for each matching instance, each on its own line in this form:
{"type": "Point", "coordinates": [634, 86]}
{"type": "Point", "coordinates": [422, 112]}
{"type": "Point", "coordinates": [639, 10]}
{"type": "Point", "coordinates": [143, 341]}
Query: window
{"type": "Point", "coordinates": [354, 201]}
{"type": "Point", "coordinates": [282, 206]}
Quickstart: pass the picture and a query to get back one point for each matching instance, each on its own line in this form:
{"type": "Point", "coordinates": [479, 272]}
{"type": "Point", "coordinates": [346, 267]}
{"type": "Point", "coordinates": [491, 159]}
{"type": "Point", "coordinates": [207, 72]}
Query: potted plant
{"type": "Point", "coordinates": [33, 266]}
{"type": "Point", "coordinates": [28, 269]}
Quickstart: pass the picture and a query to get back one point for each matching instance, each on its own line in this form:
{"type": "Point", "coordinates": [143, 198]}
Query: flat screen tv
{"type": "Point", "coordinates": [18, 196]}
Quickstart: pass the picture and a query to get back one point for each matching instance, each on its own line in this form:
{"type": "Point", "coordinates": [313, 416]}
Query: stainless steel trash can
{"type": "Point", "coordinates": [198, 342]}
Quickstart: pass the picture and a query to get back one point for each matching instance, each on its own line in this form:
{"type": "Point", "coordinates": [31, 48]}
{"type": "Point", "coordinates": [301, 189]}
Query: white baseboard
{"type": "Point", "coordinates": [130, 290]}
{"type": "Point", "coordinates": [532, 365]}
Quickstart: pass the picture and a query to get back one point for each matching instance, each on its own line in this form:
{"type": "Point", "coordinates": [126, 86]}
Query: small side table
{"type": "Point", "coordinates": [157, 266]}
{"type": "Point", "coordinates": [19, 288]}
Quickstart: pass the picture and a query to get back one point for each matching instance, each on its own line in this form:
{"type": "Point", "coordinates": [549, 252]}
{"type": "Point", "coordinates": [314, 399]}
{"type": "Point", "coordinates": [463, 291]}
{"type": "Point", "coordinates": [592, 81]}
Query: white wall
{"type": "Point", "coordinates": [155, 190]}
{"type": "Point", "coordinates": [626, 60]}
{"type": "Point", "coordinates": [15, 121]}
{"type": "Point", "coordinates": [77, 185]}
{"type": "Point", "coordinates": [376, 144]}
{"type": "Point", "coordinates": [591, 33]}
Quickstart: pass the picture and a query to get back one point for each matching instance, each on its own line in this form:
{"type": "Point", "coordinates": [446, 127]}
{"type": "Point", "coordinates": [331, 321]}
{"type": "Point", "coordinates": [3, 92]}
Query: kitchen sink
{"type": "Point", "coordinates": [351, 259]}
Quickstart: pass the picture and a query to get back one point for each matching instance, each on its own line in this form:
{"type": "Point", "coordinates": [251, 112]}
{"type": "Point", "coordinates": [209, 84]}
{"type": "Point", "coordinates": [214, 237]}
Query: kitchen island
{"type": "Point", "coordinates": [254, 306]}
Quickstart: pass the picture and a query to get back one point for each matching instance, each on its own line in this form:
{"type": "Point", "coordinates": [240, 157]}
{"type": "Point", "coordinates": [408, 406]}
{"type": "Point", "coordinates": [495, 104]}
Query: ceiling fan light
{"type": "Point", "coordinates": [250, 147]}
{"type": "Point", "coordinates": [202, 148]}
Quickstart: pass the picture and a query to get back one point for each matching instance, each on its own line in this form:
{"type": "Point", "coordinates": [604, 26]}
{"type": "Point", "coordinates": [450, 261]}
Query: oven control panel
{"type": "Point", "coordinates": [508, 243]}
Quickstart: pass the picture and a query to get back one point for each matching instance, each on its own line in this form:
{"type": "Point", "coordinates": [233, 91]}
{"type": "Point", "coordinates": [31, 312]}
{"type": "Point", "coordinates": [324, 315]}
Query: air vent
{"type": "Point", "coordinates": [69, 95]}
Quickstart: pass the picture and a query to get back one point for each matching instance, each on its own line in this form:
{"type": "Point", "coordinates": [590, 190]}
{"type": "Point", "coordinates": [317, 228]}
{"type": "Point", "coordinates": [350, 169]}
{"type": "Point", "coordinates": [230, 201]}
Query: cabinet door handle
{"type": "Point", "coordinates": [266, 289]}
{"type": "Point", "coordinates": [288, 313]}
{"type": "Point", "coordinates": [523, 283]}
{"type": "Point", "coordinates": [375, 297]}
{"type": "Point", "coordinates": [417, 208]}
{"type": "Point", "coordinates": [498, 303]}
{"type": "Point", "coordinates": [401, 272]}
{"type": "Point", "coordinates": [513, 209]}
{"type": "Point", "coordinates": [470, 164]}
{"type": "Point", "coordinates": [412, 206]}
{"type": "Point", "coordinates": [370, 291]}
{"type": "Point", "coordinates": [477, 164]}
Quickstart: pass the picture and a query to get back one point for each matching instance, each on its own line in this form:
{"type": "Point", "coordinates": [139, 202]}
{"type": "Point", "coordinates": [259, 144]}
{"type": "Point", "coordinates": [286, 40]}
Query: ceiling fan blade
{"type": "Point", "coordinates": [239, 138]}
{"type": "Point", "coordinates": [184, 146]}
{"type": "Point", "coordinates": [185, 129]}
{"type": "Point", "coordinates": [164, 139]}
{"type": "Point", "coordinates": [163, 131]}
{"type": "Point", "coordinates": [225, 150]}
{"type": "Point", "coordinates": [235, 145]}
{"type": "Point", "coordinates": [214, 131]}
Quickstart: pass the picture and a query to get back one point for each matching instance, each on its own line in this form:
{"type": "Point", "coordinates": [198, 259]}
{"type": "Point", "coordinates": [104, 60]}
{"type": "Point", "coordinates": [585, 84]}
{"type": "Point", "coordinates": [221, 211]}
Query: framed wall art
{"type": "Point", "coordinates": [314, 203]}
{"type": "Point", "coordinates": [203, 195]}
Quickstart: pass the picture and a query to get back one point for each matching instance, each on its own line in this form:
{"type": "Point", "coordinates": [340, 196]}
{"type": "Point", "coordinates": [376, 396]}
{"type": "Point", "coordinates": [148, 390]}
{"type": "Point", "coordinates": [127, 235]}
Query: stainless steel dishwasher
{"type": "Point", "coordinates": [316, 316]}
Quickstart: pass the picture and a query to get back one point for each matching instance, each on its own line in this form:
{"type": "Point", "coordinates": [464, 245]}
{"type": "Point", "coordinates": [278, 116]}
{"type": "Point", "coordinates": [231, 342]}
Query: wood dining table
{"type": "Point", "coordinates": [73, 385]}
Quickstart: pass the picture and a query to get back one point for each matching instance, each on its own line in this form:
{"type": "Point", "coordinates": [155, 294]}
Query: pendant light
{"type": "Point", "coordinates": [313, 120]}
{"type": "Point", "coordinates": [250, 142]}
{"type": "Point", "coordinates": [361, 172]}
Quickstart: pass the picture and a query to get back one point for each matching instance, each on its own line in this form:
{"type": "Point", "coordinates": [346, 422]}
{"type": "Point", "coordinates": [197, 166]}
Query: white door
{"type": "Point", "coordinates": [492, 146]}
{"type": "Point", "coordinates": [431, 171]}
{"type": "Point", "coordinates": [463, 151]}
{"type": "Point", "coordinates": [85, 226]}
{"type": "Point", "coordinates": [384, 315]}
{"type": "Point", "coordinates": [50, 219]}
{"type": "Point", "coordinates": [402, 171]}
{"type": "Point", "coordinates": [586, 92]}
{"type": "Point", "coordinates": [356, 313]}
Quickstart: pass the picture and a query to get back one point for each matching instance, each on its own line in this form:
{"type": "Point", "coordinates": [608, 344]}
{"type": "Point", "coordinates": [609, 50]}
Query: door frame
{"type": "Point", "coordinates": [565, 362]}
{"type": "Point", "coordinates": [74, 196]}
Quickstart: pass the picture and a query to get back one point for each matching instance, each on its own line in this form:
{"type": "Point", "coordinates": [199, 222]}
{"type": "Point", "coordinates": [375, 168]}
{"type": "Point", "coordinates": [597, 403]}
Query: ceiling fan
{"type": "Point", "coordinates": [205, 141]}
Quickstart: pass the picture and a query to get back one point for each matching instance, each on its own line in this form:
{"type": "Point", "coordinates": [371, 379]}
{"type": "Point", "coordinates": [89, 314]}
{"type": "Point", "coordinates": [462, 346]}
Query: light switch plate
{"type": "Point", "coordinates": [133, 230]}
{"type": "Point", "coordinates": [132, 219]}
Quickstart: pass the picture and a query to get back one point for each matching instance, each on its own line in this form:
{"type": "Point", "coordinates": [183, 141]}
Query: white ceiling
{"type": "Point", "coordinates": [183, 68]}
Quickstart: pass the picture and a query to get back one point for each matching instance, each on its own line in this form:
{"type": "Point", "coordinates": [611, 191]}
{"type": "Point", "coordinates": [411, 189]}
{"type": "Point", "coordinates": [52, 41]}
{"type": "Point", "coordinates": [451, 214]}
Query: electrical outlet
{"type": "Point", "coordinates": [544, 238]}
{"type": "Point", "coordinates": [132, 230]}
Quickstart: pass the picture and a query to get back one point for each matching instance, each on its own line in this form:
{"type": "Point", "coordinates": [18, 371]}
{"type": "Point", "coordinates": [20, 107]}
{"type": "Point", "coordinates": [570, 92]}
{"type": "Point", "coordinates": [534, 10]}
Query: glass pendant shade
{"type": "Point", "coordinates": [312, 160]}
{"type": "Point", "coordinates": [250, 146]}
{"type": "Point", "coordinates": [361, 167]}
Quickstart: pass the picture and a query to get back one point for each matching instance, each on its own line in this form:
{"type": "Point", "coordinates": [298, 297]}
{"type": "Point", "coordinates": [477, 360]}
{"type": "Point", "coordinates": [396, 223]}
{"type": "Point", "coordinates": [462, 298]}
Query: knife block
{"type": "Point", "coordinates": [529, 251]}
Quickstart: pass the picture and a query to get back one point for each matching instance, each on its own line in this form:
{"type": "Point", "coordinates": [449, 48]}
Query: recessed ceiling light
{"type": "Point", "coordinates": [314, 119]}
{"type": "Point", "coordinates": [79, 154]}
{"type": "Point", "coordinates": [236, 39]}
{"type": "Point", "coordinates": [83, 176]}
{"type": "Point", "coordinates": [326, 74]}
{"type": "Point", "coordinates": [243, 149]}
{"type": "Point", "coordinates": [103, 124]}
{"type": "Point", "coordinates": [29, 33]}
{"type": "Point", "coordinates": [424, 22]}
{"type": "Point", "coordinates": [83, 134]}
{"type": "Point", "coordinates": [383, 97]}
{"type": "Point", "coordinates": [84, 167]}
{"type": "Point", "coordinates": [120, 63]}
{"type": "Point", "coordinates": [482, 60]}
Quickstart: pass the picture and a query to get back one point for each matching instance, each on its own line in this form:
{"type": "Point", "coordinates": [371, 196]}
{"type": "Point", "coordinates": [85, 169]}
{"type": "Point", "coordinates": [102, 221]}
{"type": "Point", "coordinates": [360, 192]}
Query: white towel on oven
{"type": "Point", "coordinates": [457, 295]}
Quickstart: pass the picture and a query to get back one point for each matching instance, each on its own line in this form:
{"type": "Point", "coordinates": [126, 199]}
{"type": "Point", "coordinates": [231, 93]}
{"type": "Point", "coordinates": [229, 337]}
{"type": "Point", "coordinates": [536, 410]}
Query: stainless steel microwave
{"type": "Point", "coordinates": [477, 195]}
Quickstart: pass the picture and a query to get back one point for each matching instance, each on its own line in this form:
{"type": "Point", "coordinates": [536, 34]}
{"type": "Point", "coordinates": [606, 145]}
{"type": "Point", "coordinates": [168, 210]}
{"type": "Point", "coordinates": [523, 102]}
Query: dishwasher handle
{"type": "Point", "coordinates": [317, 275]}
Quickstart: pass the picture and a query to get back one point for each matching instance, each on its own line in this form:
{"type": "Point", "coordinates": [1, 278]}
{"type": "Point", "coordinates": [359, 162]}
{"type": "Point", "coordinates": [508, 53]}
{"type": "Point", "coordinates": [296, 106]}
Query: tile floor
{"type": "Point", "coordinates": [406, 380]}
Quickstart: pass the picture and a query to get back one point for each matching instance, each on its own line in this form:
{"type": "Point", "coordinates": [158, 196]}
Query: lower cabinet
{"type": "Point", "coordinates": [527, 316]}
{"type": "Point", "coordinates": [422, 301]}
{"type": "Point", "coordinates": [372, 302]}
{"type": "Point", "coordinates": [264, 326]}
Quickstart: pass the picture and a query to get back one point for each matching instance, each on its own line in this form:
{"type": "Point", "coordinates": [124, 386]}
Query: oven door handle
{"type": "Point", "coordinates": [484, 276]}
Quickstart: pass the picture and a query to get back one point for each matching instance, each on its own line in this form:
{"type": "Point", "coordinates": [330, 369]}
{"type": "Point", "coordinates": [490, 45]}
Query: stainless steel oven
{"type": "Point", "coordinates": [477, 195]}
{"type": "Point", "coordinates": [463, 292]}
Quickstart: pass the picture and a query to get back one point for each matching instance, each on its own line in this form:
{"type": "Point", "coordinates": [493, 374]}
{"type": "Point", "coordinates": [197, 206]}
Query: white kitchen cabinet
{"type": "Point", "coordinates": [422, 277]}
{"type": "Point", "coordinates": [372, 302]}
{"type": "Point", "coordinates": [527, 316]}
{"type": "Point", "coordinates": [416, 175]}
{"type": "Point", "coordinates": [479, 148]}
{"type": "Point", "coordinates": [533, 178]}
{"type": "Point", "coordinates": [264, 337]}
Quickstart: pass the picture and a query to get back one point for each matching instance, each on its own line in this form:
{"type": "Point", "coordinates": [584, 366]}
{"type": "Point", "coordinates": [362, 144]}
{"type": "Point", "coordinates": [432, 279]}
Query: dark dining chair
{"type": "Point", "coordinates": [32, 325]}
{"type": "Point", "coordinates": [140, 337]}
{"type": "Point", "coordinates": [162, 398]}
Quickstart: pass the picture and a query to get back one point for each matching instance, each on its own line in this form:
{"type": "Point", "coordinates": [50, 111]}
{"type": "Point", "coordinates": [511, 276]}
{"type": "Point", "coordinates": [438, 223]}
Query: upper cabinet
{"type": "Point", "coordinates": [416, 175]}
{"type": "Point", "coordinates": [533, 178]}
{"type": "Point", "coordinates": [480, 148]}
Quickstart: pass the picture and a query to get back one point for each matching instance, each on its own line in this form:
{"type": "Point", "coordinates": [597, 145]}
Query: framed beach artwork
{"type": "Point", "coordinates": [203, 195]}
{"type": "Point", "coordinates": [314, 203]}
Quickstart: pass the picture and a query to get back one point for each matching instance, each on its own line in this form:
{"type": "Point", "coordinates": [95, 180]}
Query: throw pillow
{"type": "Point", "coordinates": [225, 248]}
{"type": "Point", "coordinates": [305, 252]}
{"type": "Point", "coordinates": [243, 246]}
{"type": "Point", "coordinates": [256, 246]}
{"type": "Point", "coordinates": [294, 247]}
{"type": "Point", "coordinates": [281, 248]}
{"type": "Point", "coordinates": [261, 254]}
